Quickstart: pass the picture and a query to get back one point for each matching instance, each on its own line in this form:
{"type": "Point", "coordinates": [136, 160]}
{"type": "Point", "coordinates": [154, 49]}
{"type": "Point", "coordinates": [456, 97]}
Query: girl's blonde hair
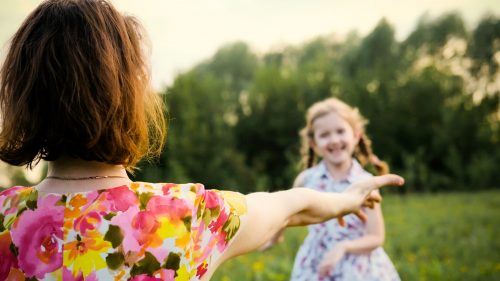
{"type": "Point", "coordinates": [363, 151]}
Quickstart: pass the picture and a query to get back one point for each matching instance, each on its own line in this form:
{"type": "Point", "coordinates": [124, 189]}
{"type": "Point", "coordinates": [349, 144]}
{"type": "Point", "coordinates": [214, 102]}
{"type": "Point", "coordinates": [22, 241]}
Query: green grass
{"type": "Point", "coordinates": [452, 236]}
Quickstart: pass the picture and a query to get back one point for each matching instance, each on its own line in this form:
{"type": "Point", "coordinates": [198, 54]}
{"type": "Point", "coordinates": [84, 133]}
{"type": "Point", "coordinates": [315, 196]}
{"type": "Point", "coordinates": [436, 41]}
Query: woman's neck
{"type": "Point", "coordinates": [339, 171]}
{"type": "Point", "coordinates": [67, 167]}
{"type": "Point", "coordinates": [68, 174]}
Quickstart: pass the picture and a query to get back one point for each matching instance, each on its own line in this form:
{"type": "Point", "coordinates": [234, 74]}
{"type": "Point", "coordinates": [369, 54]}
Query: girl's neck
{"type": "Point", "coordinates": [339, 171]}
{"type": "Point", "coordinates": [68, 174]}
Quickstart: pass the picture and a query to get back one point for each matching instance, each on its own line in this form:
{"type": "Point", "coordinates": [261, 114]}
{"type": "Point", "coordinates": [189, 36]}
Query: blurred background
{"type": "Point", "coordinates": [237, 77]}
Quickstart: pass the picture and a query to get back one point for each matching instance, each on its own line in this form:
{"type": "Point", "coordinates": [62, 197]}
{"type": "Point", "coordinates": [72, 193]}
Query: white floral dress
{"type": "Point", "coordinates": [323, 237]}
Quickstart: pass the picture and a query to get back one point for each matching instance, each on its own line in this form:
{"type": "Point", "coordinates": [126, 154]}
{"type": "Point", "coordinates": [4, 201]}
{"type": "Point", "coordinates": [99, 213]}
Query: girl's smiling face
{"type": "Point", "coordinates": [334, 139]}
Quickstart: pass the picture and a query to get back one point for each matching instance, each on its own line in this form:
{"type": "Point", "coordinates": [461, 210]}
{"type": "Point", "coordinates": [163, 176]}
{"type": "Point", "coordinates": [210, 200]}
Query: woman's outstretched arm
{"type": "Point", "coordinates": [270, 212]}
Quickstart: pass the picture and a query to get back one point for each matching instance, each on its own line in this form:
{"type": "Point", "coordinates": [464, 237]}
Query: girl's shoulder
{"type": "Point", "coordinates": [307, 176]}
{"type": "Point", "coordinates": [299, 180]}
{"type": "Point", "coordinates": [358, 172]}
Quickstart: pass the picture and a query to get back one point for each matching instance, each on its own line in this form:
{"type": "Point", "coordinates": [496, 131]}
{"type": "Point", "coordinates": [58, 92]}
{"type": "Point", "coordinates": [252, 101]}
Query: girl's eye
{"type": "Point", "coordinates": [340, 131]}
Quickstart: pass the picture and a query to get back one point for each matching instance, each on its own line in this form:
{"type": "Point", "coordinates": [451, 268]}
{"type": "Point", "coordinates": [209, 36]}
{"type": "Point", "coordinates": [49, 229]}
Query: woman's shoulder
{"type": "Point", "coordinates": [193, 192]}
{"type": "Point", "coordinates": [14, 190]}
{"type": "Point", "coordinates": [187, 191]}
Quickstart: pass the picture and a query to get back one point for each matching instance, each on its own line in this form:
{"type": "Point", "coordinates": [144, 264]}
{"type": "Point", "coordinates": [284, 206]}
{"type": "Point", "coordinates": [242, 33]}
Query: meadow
{"type": "Point", "coordinates": [444, 236]}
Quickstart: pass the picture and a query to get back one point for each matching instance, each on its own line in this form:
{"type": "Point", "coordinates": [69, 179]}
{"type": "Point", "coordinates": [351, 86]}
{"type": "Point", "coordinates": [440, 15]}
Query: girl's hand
{"type": "Point", "coordinates": [331, 259]}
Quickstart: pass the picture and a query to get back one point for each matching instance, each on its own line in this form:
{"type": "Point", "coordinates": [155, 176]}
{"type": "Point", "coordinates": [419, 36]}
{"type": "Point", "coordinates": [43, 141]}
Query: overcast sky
{"type": "Point", "coordinates": [185, 32]}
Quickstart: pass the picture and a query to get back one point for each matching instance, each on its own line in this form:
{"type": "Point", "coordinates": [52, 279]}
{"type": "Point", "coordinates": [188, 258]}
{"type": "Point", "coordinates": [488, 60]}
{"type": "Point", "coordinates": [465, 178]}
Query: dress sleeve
{"type": "Point", "coordinates": [215, 223]}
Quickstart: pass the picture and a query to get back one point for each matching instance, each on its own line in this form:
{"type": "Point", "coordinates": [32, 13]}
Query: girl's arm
{"type": "Point", "coordinates": [374, 237]}
{"type": "Point", "coordinates": [270, 212]}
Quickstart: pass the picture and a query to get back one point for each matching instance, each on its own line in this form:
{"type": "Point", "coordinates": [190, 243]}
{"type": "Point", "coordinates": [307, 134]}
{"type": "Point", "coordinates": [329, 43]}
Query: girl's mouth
{"type": "Point", "coordinates": [337, 149]}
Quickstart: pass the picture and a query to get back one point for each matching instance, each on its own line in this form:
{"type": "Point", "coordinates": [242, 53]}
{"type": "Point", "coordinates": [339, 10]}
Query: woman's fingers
{"type": "Point", "coordinates": [373, 197]}
{"type": "Point", "coordinates": [368, 203]}
{"type": "Point", "coordinates": [341, 221]}
{"type": "Point", "coordinates": [361, 215]}
{"type": "Point", "coordinates": [365, 187]}
{"type": "Point", "coordinates": [389, 179]}
{"type": "Point", "coordinates": [366, 192]}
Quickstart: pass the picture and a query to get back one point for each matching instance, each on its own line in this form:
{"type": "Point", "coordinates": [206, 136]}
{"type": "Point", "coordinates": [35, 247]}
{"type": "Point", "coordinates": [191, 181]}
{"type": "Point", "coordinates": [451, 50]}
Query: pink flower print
{"type": "Point", "coordinates": [124, 222]}
{"type": "Point", "coordinates": [172, 207]}
{"type": "Point", "coordinates": [145, 221]}
{"type": "Point", "coordinates": [68, 276]}
{"type": "Point", "coordinates": [10, 198]}
{"type": "Point", "coordinates": [200, 188]}
{"type": "Point", "coordinates": [159, 275]}
{"type": "Point", "coordinates": [145, 225]}
{"type": "Point", "coordinates": [166, 188]}
{"type": "Point", "coordinates": [201, 270]}
{"type": "Point", "coordinates": [121, 198]}
{"type": "Point", "coordinates": [166, 274]}
{"type": "Point", "coordinates": [89, 221]}
{"type": "Point", "coordinates": [145, 277]}
{"type": "Point", "coordinates": [212, 199]}
{"type": "Point", "coordinates": [160, 253]}
{"type": "Point", "coordinates": [222, 241]}
{"type": "Point", "coordinates": [216, 225]}
{"type": "Point", "coordinates": [38, 234]}
{"type": "Point", "coordinates": [11, 191]}
{"type": "Point", "coordinates": [8, 258]}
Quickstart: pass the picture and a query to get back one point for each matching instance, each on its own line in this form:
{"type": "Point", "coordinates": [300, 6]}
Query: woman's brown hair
{"type": "Point", "coordinates": [75, 82]}
{"type": "Point", "coordinates": [363, 151]}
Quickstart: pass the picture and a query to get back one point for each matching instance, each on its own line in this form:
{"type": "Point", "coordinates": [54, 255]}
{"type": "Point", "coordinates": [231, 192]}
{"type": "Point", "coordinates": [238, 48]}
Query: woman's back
{"type": "Point", "coordinates": [141, 231]}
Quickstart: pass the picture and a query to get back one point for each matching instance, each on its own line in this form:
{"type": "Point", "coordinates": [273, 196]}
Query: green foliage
{"type": "Point", "coordinates": [433, 109]}
{"type": "Point", "coordinates": [444, 236]}
{"type": "Point", "coordinates": [435, 33]}
{"type": "Point", "coordinates": [485, 43]}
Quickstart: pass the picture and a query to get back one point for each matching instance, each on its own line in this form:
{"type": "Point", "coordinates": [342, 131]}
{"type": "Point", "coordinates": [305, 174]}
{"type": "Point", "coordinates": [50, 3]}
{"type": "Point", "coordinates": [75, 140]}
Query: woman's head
{"type": "Point", "coordinates": [75, 82]}
{"type": "Point", "coordinates": [336, 131]}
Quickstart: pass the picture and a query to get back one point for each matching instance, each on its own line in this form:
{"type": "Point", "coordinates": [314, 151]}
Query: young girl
{"type": "Point", "coordinates": [348, 249]}
{"type": "Point", "coordinates": [74, 91]}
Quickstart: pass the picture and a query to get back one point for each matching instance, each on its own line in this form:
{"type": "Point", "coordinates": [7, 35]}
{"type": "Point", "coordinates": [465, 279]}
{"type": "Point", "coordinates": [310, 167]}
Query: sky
{"type": "Point", "coordinates": [186, 32]}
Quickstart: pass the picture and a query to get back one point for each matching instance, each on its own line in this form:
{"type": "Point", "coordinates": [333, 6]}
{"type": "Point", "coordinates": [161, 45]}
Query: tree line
{"type": "Point", "coordinates": [432, 101]}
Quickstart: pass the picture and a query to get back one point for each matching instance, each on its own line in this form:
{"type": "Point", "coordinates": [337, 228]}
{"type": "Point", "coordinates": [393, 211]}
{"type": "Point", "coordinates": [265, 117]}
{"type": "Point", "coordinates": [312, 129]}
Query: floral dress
{"type": "Point", "coordinates": [324, 236]}
{"type": "Point", "coordinates": [138, 232]}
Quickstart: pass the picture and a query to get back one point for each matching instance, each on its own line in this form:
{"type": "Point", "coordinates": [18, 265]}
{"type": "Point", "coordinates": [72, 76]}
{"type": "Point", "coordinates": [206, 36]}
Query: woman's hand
{"type": "Point", "coordinates": [331, 259]}
{"type": "Point", "coordinates": [375, 197]}
{"type": "Point", "coordinates": [365, 193]}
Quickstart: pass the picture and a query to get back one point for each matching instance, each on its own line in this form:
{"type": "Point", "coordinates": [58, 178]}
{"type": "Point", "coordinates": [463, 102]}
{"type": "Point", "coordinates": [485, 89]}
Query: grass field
{"type": "Point", "coordinates": [453, 236]}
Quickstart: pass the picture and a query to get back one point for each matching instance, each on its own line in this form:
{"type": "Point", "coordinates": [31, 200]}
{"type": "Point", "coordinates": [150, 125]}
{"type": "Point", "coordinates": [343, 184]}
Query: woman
{"type": "Point", "coordinates": [75, 92]}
